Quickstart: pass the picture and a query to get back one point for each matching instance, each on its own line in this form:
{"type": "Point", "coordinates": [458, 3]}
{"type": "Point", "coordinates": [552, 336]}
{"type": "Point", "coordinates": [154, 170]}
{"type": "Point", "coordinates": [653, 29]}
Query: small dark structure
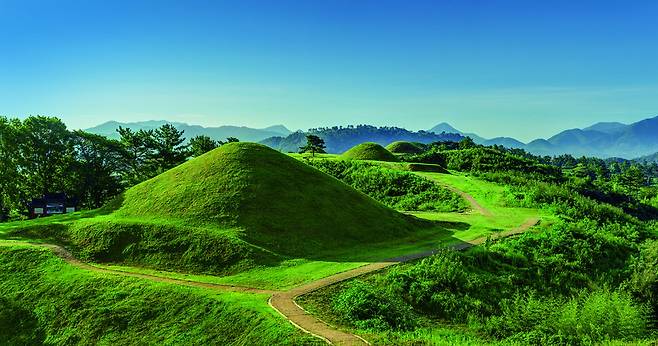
{"type": "Point", "coordinates": [52, 204]}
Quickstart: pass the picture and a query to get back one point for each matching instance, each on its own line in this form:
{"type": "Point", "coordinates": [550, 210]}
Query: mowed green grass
{"type": "Point", "coordinates": [295, 272]}
{"type": "Point", "coordinates": [493, 197]}
{"type": "Point", "coordinates": [54, 303]}
{"type": "Point", "coordinates": [369, 151]}
{"type": "Point", "coordinates": [239, 207]}
{"type": "Point", "coordinates": [100, 232]}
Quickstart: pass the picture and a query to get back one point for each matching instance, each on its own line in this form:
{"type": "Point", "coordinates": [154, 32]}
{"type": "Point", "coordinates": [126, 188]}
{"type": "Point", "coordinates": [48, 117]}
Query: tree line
{"type": "Point", "coordinates": [39, 155]}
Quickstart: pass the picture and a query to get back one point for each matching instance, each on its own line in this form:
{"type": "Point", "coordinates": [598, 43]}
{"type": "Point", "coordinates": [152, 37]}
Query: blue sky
{"type": "Point", "coordinates": [516, 68]}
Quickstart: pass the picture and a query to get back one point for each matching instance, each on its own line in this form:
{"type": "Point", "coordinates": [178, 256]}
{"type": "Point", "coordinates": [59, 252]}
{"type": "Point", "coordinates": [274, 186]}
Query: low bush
{"type": "Point", "coordinates": [368, 307]}
{"type": "Point", "coordinates": [395, 189]}
{"type": "Point", "coordinates": [589, 318]}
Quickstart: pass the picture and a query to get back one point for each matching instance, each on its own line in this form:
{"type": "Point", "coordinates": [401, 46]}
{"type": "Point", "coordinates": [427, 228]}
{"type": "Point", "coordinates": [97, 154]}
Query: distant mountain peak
{"type": "Point", "coordinates": [278, 129]}
{"type": "Point", "coordinates": [218, 133]}
{"type": "Point", "coordinates": [444, 127]}
{"type": "Point", "coordinates": [607, 127]}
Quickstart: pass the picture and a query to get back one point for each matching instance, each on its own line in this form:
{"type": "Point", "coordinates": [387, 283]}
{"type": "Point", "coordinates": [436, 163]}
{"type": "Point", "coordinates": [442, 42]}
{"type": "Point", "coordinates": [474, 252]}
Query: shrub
{"type": "Point", "coordinates": [395, 189]}
{"type": "Point", "coordinates": [590, 317]}
{"type": "Point", "coordinates": [369, 308]}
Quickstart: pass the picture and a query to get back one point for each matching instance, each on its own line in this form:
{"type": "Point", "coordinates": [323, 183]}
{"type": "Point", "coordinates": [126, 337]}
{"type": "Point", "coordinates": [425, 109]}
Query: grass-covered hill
{"type": "Point", "coordinates": [403, 147]}
{"type": "Point", "coordinates": [238, 205]}
{"type": "Point", "coordinates": [45, 301]}
{"type": "Point", "coordinates": [369, 151]}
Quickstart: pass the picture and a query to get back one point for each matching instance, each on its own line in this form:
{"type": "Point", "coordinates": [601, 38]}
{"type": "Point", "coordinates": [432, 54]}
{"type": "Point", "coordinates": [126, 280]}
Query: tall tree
{"type": "Point", "coordinates": [202, 144]}
{"type": "Point", "coordinates": [139, 147]}
{"type": "Point", "coordinates": [99, 163]}
{"type": "Point", "coordinates": [169, 148]}
{"type": "Point", "coordinates": [9, 181]}
{"type": "Point", "coordinates": [314, 144]}
{"type": "Point", "coordinates": [45, 151]}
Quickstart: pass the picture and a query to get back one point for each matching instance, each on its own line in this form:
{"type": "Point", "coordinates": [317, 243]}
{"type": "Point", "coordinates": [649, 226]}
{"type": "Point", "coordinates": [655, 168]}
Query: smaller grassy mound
{"type": "Point", "coordinates": [43, 300]}
{"type": "Point", "coordinates": [404, 147]}
{"type": "Point", "coordinates": [369, 151]}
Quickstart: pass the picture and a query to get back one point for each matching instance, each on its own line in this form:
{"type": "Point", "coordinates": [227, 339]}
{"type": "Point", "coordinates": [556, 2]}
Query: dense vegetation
{"type": "Point", "coordinates": [236, 207]}
{"type": "Point", "coordinates": [45, 301]}
{"type": "Point", "coordinates": [589, 278]}
{"type": "Point", "coordinates": [39, 155]}
{"type": "Point", "coordinates": [396, 189]}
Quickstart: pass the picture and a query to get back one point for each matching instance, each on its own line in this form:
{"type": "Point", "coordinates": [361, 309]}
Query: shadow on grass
{"type": "Point", "coordinates": [415, 245]}
{"type": "Point", "coordinates": [133, 243]}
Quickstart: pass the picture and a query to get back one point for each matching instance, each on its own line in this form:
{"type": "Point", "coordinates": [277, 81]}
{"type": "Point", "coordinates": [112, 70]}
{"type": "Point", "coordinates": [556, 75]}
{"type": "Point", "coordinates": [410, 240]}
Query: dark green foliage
{"type": "Point", "coordinates": [585, 319]}
{"type": "Point", "coordinates": [644, 278]}
{"type": "Point", "coordinates": [339, 138]}
{"type": "Point", "coordinates": [229, 210]}
{"type": "Point", "coordinates": [368, 307]}
{"type": "Point", "coordinates": [97, 165]}
{"type": "Point", "coordinates": [18, 325]}
{"type": "Point", "coordinates": [449, 286]}
{"type": "Point", "coordinates": [38, 155]}
{"type": "Point", "coordinates": [202, 144]}
{"type": "Point", "coordinates": [545, 288]}
{"type": "Point", "coordinates": [427, 167]}
{"type": "Point", "coordinates": [396, 189]}
{"type": "Point", "coordinates": [169, 150]}
{"type": "Point", "coordinates": [314, 144]}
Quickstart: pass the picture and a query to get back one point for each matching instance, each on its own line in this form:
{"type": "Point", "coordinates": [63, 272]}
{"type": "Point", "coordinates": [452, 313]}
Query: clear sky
{"type": "Point", "coordinates": [516, 68]}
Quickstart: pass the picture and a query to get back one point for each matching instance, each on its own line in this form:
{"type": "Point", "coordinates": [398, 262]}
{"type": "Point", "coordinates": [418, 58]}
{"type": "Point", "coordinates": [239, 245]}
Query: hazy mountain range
{"type": "Point", "coordinates": [339, 139]}
{"type": "Point", "coordinates": [245, 134]}
{"type": "Point", "coordinates": [605, 139]}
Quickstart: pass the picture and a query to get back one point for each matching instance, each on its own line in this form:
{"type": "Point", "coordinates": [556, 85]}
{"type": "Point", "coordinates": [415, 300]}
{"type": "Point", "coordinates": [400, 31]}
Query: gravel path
{"type": "Point", "coordinates": [284, 302]}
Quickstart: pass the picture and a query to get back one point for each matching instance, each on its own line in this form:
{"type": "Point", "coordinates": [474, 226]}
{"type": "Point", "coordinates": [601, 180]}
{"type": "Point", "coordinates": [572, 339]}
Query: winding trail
{"type": "Point", "coordinates": [285, 304]}
{"type": "Point", "coordinates": [475, 205]}
{"type": "Point", "coordinates": [64, 254]}
{"type": "Point", "coordinates": [284, 301]}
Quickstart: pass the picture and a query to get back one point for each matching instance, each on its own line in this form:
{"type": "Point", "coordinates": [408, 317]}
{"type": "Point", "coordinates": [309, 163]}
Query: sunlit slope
{"type": "Point", "coordinates": [369, 151]}
{"type": "Point", "coordinates": [404, 147]}
{"type": "Point", "coordinates": [273, 200]}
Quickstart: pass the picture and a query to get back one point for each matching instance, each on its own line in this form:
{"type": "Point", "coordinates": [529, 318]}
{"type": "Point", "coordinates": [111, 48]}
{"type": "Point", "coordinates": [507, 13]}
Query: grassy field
{"type": "Point", "coordinates": [45, 300]}
{"type": "Point", "coordinates": [135, 243]}
{"type": "Point", "coordinates": [295, 272]}
{"type": "Point", "coordinates": [238, 207]}
{"type": "Point", "coordinates": [248, 237]}
{"type": "Point", "coordinates": [495, 198]}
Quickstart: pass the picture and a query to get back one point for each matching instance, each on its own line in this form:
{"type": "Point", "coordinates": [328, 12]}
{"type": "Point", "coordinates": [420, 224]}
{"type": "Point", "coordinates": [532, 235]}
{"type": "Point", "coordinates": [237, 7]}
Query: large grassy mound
{"type": "Point", "coordinates": [237, 206]}
{"type": "Point", "coordinates": [267, 198]}
{"type": "Point", "coordinates": [404, 147]}
{"type": "Point", "coordinates": [369, 151]}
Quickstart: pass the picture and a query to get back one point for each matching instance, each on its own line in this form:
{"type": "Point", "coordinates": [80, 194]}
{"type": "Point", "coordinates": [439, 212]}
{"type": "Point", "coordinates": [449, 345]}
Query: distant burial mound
{"type": "Point", "coordinates": [369, 151]}
{"type": "Point", "coordinates": [238, 205]}
{"type": "Point", "coordinates": [403, 147]}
